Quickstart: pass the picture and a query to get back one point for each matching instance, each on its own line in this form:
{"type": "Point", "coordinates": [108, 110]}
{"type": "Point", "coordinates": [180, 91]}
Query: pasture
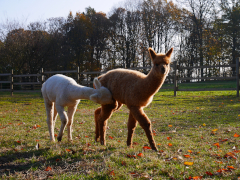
{"type": "Point", "coordinates": [197, 135]}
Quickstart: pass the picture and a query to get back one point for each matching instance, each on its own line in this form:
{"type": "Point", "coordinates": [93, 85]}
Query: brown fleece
{"type": "Point", "coordinates": [136, 90]}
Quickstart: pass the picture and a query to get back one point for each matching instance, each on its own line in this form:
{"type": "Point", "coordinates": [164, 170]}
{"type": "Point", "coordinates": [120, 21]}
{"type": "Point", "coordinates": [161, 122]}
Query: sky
{"type": "Point", "coordinates": [26, 11]}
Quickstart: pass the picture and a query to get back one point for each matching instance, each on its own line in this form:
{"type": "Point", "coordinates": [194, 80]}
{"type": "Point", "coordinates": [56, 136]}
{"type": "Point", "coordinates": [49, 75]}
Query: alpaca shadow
{"type": "Point", "coordinates": [9, 164]}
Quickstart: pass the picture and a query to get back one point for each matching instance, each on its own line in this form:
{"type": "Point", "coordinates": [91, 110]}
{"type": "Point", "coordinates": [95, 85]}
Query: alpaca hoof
{"type": "Point", "coordinates": [155, 149]}
{"type": "Point", "coordinates": [59, 139]}
{"type": "Point", "coordinates": [103, 143]}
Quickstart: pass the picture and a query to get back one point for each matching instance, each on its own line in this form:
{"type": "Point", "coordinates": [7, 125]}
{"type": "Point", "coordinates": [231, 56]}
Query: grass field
{"type": "Point", "coordinates": [197, 134]}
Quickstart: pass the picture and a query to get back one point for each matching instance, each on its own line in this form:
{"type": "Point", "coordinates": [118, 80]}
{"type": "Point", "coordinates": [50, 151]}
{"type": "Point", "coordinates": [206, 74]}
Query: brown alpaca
{"type": "Point", "coordinates": [136, 90]}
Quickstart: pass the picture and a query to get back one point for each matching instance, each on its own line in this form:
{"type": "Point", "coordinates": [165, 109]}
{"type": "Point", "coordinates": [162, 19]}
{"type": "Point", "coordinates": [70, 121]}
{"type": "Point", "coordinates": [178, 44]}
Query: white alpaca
{"type": "Point", "coordinates": [60, 91]}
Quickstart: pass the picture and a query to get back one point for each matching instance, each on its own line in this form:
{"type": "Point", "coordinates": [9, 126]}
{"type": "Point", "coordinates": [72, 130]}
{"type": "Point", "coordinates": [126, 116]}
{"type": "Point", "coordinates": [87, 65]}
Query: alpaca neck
{"type": "Point", "coordinates": [81, 92]}
{"type": "Point", "coordinates": [153, 83]}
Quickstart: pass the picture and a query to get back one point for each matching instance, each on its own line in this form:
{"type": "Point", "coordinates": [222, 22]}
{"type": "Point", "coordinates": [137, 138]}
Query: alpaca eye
{"type": "Point", "coordinates": [157, 65]}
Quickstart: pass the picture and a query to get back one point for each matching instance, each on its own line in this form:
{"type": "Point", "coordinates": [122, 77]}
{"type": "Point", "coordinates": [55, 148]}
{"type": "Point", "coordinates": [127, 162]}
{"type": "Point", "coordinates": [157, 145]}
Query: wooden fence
{"type": "Point", "coordinates": [172, 77]}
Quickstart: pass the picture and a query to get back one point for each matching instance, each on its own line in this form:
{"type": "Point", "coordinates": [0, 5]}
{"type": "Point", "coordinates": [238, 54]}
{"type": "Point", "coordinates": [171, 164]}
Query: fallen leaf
{"type": "Point", "coordinates": [216, 144]}
{"type": "Point", "coordinates": [236, 135]}
{"type": "Point", "coordinates": [197, 177]}
{"type": "Point", "coordinates": [230, 167]}
{"type": "Point", "coordinates": [131, 156]}
{"type": "Point", "coordinates": [188, 163]}
{"type": "Point", "coordinates": [124, 163]}
{"type": "Point", "coordinates": [169, 125]}
{"type": "Point", "coordinates": [19, 142]}
{"type": "Point", "coordinates": [146, 147]}
{"type": "Point", "coordinates": [169, 144]}
{"type": "Point", "coordinates": [187, 156]}
{"type": "Point", "coordinates": [48, 168]}
{"type": "Point", "coordinates": [209, 173]}
{"type": "Point", "coordinates": [230, 155]}
{"type": "Point", "coordinates": [189, 151]}
{"type": "Point", "coordinates": [214, 130]}
{"type": "Point", "coordinates": [140, 155]}
{"type": "Point", "coordinates": [168, 138]}
{"type": "Point", "coordinates": [112, 173]}
{"type": "Point", "coordinates": [110, 137]}
{"type": "Point", "coordinates": [221, 170]}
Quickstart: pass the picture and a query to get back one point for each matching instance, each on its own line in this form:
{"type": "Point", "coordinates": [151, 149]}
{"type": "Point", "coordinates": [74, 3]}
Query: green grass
{"type": "Point", "coordinates": [186, 121]}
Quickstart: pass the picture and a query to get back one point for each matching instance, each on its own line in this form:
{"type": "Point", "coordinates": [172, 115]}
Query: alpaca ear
{"type": "Point", "coordinates": [97, 83]}
{"type": "Point", "coordinates": [169, 53]}
{"type": "Point", "coordinates": [152, 53]}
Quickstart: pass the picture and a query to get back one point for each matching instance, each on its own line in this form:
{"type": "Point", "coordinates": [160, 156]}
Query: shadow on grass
{"type": "Point", "coordinates": [10, 162]}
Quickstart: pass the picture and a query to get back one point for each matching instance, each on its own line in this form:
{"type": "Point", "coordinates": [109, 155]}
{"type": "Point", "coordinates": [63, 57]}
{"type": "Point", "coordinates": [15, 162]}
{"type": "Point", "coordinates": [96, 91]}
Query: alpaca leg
{"type": "Point", "coordinates": [49, 111]}
{"type": "Point", "coordinates": [71, 112]}
{"type": "Point", "coordinates": [54, 115]}
{"type": "Point", "coordinates": [132, 123]}
{"type": "Point", "coordinates": [145, 123]}
{"type": "Point", "coordinates": [96, 116]}
{"type": "Point", "coordinates": [64, 120]}
{"type": "Point", "coordinates": [106, 112]}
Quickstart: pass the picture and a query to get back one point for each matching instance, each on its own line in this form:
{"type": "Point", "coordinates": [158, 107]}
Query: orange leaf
{"type": "Point", "coordinates": [131, 156]}
{"type": "Point", "coordinates": [48, 168]}
{"type": "Point", "coordinates": [112, 173]}
{"type": "Point", "coordinates": [236, 135]}
{"type": "Point", "coordinates": [221, 170]}
{"type": "Point", "coordinates": [110, 137]}
{"type": "Point", "coordinates": [169, 144]}
{"type": "Point", "coordinates": [146, 147]}
{"type": "Point", "coordinates": [230, 167]}
{"type": "Point", "coordinates": [168, 138]}
{"type": "Point", "coordinates": [209, 173]}
{"type": "Point", "coordinates": [55, 135]}
{"type": "Point", "coordinates": [18, 142]}
{"type": "Point", "coordinates": [187, 156]}
{"type": "Point", "coordinates": [188, 163]}
{"type": "Point", "coordinates": [124, 163]}
{"type": "Point", "coordinates": [68, 150]}
{"type": "Point", "coordinates": [230, 154]}
{"type": "Point", "coordinates": [38, 126]}
{"type": "Point", "coordinates": [197, 177]}
{"type": "Point", "coordinates": [140, 155]}
{"type": "Point", "coordinates": [189, 151]}
{"type": "Point", "coordinates": [216, 144]}
{"type": "Point", "coordinates": [169, 125]}
{"type": "Point", "coordinates": [214, 130]}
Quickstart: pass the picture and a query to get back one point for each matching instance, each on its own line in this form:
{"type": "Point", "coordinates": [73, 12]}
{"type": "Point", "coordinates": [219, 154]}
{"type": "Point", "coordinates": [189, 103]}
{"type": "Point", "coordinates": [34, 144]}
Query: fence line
{"type": "Point", "coordinates": [174, 77]}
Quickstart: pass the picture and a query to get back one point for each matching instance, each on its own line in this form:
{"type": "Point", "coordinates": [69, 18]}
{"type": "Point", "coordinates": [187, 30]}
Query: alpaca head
{"type": "Point", "coordinates": [102, 95]}
{"type": "Point", "coordinates": [161, 62]}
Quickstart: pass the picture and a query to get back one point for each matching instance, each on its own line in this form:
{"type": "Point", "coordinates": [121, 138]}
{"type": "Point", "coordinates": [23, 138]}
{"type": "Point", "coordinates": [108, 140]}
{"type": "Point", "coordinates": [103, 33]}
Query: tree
{"type": "Point", "coordinates": [231, 19]}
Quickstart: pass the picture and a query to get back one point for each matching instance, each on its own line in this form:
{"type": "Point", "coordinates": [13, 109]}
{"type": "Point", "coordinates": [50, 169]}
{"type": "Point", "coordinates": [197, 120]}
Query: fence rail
{"type": "Point", "coordinates": [173, 76]}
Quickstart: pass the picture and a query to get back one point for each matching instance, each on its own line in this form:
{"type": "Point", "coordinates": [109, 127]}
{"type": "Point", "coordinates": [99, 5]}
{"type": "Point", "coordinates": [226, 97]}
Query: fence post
{"type": "Point", "coordinates": [175, 78]}
{"type": "Point", "coordinates": [11, 83]}
{"type": "Point", "coordinates": [237, 75]}
{"type": "Point", "coordinates": [78, 75]}
{"type": "Point", "coordinates": [42, 78]}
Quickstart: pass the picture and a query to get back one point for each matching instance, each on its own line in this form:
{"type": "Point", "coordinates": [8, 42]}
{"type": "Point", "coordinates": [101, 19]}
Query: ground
{"type": "Point", "coordinates": [197, 134]}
